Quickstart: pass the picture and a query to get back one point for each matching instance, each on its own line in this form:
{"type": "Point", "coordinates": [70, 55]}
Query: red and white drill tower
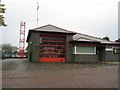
{"type": "Point", "coordinates": [22, 39]}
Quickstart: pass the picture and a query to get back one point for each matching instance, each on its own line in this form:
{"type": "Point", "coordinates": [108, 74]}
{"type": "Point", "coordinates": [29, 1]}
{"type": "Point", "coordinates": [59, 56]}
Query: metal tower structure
{"type": "Point", "coordinates": [22, 39]}
{"type": "Point", "coordinates": [37, 12]}
{"type": "Point", "coordinates": [37, 22]}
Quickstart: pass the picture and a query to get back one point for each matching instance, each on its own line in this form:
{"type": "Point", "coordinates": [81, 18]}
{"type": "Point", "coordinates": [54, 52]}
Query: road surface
{"type": "Point", "coordinates": [23, 74]}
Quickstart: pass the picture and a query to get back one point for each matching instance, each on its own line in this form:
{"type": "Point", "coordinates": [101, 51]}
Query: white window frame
{"type": "Point", "coordinates": [85, 53]}
{"type": "Point", "coordinates": [109, 49]}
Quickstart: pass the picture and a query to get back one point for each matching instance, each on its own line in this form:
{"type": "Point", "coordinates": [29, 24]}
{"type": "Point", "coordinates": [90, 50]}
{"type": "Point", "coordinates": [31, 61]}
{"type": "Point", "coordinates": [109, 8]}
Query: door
{"type": "Point", "coordinates": [29, 56]}
{"type": "Point", "coordinates": [52, 48]}
{"type": "Point", "coordinates": [101, 53]}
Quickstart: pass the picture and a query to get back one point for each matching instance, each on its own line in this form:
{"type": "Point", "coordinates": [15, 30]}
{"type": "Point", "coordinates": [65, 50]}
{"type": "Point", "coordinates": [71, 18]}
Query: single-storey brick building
{"type": "Point", "coordinates": [53, 44]}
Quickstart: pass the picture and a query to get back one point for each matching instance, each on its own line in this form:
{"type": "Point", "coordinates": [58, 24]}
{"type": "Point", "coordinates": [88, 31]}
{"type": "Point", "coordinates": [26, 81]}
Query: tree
{"type": "Point", "coordinates": [15, 50]}
{"type": "Point", "coordinates": [117, 40]}
{"type": "Point", "coordinates": [2, 11]}
{"type": "Point", "coordinates": [106, 38]}
{"type": "Point", "coordinates": [8, 50]}
{"type": "Point", "coordinates": [6, 47]}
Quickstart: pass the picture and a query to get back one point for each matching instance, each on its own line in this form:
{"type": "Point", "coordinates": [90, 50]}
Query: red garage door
{"type": "Point", "coordinates": [52, 48]}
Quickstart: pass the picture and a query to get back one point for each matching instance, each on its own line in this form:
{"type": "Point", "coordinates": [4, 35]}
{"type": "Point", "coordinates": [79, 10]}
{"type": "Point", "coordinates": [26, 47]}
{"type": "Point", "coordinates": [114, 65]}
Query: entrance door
{"type": "Point", "coordinates": [101, 53]}
{"type": "Point", "coordinates": [52, 48]}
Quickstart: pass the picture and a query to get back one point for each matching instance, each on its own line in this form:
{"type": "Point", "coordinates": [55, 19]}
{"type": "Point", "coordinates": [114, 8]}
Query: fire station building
{"type": "Point", "coordinates": [53, 44]}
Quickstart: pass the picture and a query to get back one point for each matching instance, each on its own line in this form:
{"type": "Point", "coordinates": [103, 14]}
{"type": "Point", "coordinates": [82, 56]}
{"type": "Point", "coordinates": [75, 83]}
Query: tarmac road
{"type": "Point", "coordinates": [23, 74]}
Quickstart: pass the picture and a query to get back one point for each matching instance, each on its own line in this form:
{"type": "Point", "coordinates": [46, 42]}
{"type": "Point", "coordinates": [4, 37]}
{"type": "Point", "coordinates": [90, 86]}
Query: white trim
{"type": "Point", "coordinates": [75, 49]}
{"type": "Point", "coordinates": [109, 49]}
{"type": "Point", "coordinates": [95, 50]}
{"type": "Point", "coordinates": [85, 53]}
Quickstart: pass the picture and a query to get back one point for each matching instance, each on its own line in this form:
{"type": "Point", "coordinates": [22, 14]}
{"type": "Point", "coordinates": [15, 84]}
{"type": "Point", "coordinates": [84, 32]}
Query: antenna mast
{"type": "Point", "coordinates": [37, 23]}
{"type": "Point", "coordinates": [37, 12]}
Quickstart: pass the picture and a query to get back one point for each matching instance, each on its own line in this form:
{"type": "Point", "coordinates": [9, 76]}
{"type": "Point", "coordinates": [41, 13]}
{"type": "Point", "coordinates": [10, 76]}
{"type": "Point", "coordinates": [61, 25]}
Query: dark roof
{"type": "Point", "coordinates": [94, 43]}
{"type": "Point", "coordinates": [84, 41]}
{"type": "Point", "coordinates": [110, 44]}
{"type": "Point", "coordinates": [84, 37]}
{"type": "Point", "coordinates": [77, 38]}
{"type": "Point", "coordinates": [50, 28]}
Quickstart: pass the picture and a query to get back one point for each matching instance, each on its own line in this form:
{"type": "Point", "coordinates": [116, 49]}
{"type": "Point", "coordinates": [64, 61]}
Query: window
{"type": "Point", "coordinates": [116, 50]}
{"type": "Point", "coordinates": [109, 49]}
{"type": "Point", "coordinates": [85, 50]}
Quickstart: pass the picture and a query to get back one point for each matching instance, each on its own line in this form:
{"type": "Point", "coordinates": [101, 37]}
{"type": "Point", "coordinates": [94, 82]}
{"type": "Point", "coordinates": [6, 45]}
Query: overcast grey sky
{"type": "Point", "coordinates": [93, 17]}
